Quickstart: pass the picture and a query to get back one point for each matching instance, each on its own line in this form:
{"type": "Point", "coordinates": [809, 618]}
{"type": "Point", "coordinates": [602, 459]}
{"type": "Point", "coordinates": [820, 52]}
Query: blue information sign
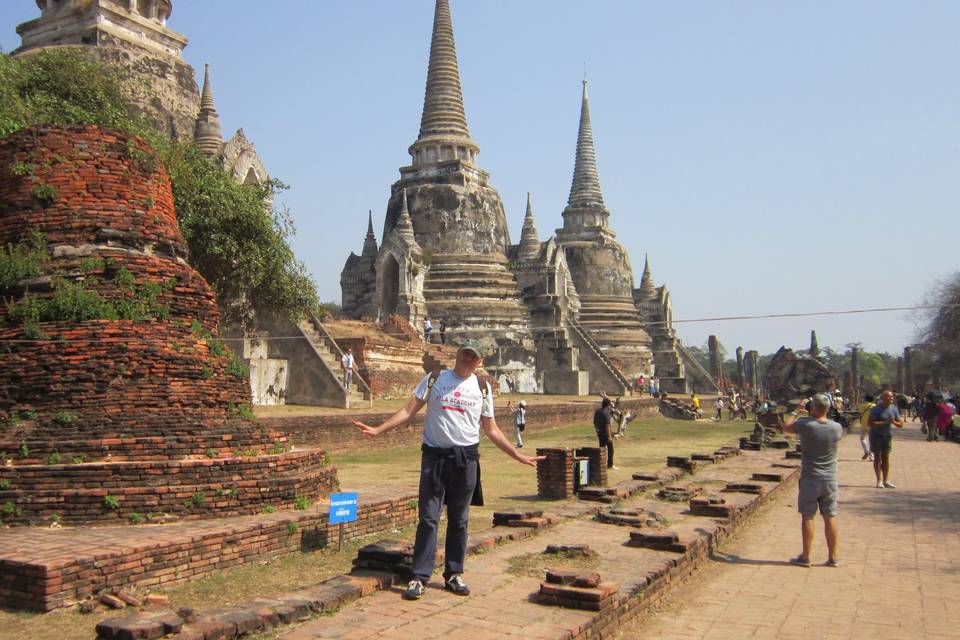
{"type": "Point", "coordinates": [343, 507]}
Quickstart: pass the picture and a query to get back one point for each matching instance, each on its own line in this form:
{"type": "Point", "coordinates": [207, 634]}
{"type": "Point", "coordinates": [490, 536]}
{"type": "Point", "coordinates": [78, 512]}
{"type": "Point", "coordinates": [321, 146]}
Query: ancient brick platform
{"type": "Point", "coordinates": [44, 569]}
{"type": "Point", "coordinates": [122, 404]}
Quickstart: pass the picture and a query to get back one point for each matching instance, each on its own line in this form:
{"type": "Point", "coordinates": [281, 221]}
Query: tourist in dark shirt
{"type": "Point", "coordinates": [819, 437]}
{"type": "Point", "coordinates": [602, 419]}
{"type": "Point", "coordinates": [883, 417]}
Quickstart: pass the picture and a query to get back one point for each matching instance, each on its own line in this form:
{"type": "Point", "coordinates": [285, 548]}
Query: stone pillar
{"type": "Point", "coordinates": [855, 374]}
{"type": "Point", "coordinates": [715, 365]}
{"type": "Point", "coordinates": [848, 384]}
{"type": "Point", "coordinates": [555, 474]}
{"type": "Point", "coordinates": [901, 380]}
{"type": "Point", "coordinates": [748, 372]}
{"type": "Point", "coordinates": [741, 376]}
{"type": "Point", "coordinates": [754, 358]}
{"type": "Point", "coordinates": [908, 372]}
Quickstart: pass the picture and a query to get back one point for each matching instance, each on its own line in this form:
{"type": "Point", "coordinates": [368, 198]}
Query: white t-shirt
{"type": "Point", "coordinates": [347, 361]}
{"type": "Point", "coordinates": [454, 409]}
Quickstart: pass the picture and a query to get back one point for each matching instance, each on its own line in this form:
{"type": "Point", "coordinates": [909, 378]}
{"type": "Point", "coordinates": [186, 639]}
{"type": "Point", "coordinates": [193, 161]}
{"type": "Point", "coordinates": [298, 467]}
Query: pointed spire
{"type": "Point", "coordinates": [648, 290]}
{"type": "Point", "coordinates": [529, 240]}
{"type": "Point", "coordinates": [443, 126]}
{"type": "Point", "coordinates": [206, 131]}
{"type": "Point", "coordinates": [585, 189]}
{"type": "Point", "coordinates": [814, 345]}
{"type": "Point", "coordinates": [370, 241]}
{"type": "Point", "coordinates": [404, 223]}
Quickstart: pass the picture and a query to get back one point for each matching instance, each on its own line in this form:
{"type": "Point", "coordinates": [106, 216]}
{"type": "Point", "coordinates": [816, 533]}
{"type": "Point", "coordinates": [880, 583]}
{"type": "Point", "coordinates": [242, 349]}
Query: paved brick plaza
{"type": "Point", "coordinates": [900, 551]}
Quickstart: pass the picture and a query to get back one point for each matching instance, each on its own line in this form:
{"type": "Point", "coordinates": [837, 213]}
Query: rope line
{"type": "Point", "coordinates": [768, 316]}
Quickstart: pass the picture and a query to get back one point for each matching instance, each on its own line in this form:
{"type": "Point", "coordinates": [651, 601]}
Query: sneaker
{"type": "Point", "coordinates": [879, 484]}
{"type": "Point", "coordinates": [414, 590]}
{"type": "Point", "coordinates": [832, 563]}
{"type": "Point", "coordinates": [866, 456]}
{"type": "Point", "coordinates": [519, 446]}
{"type": "Point", "coordinates": [458, 586]}
{"type": "Point", "coordinates": [614, 467]}
{"type": "Point", "coordinates": [889, 485]}
{"type": "Point", "coordinates": [800, 561]}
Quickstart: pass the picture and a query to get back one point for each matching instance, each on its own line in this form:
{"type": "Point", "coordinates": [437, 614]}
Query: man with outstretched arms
{"type": "Point", "coordinates": [459, 406]}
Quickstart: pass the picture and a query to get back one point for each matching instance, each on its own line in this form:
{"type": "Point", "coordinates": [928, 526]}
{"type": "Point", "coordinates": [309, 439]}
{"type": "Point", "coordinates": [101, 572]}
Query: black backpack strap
{"type": "Point", "coordinates": [484, 385]}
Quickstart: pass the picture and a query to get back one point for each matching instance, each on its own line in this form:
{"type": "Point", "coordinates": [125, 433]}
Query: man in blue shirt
{"type": "Point", "coordinates": [883, 417]}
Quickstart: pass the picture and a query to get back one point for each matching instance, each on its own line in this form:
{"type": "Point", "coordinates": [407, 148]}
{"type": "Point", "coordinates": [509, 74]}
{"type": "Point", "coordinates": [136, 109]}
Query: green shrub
{"type": "Point", "coordinates": [292, 528]}
{"type": "Point", "coordinates": [224, 493]}
{"type": "Point", "coordinates": [197, 499]}
{"type": "Point", "coordinates": [269, 509]}
{"type": "Point", "coordinates": [301, 503]}
{"type": "Point", "coordinates": [136, 518]}
{"type": "Point", "coordinates": [245, 411]}
{"type": "Point", "coordinates": [45, 194]}
{"type": "Point", "coordinates": [5, 484]}
{"type": "Point", "coordinates": [217, 347]}
{"type": "Point", "coordinates": [24, 450]}
{"type": "Point", "coordinates": [23, 168]}
{"type": "Point", "coordinates": [28, 415]}
{"type": "Point", "coordinates": [64, 417]}
{"type": "Point", "coordinates": [88, 265]}
{"type": "Point", "coordinates": [211, 453]}
{"type": "Point", "coordinates": [111, 502]}
{"type": "Point", "coordinates": [78, 460]}
{"type": "Point", "coordinates": [54, 458]}
{"type": "Point", "coordinates": [238, 368]}
{"type": "Point", "coordinates": [277, 448]}
{"type": "Point", "coordinates": [9, 510]}
{"type": "Point", "coordinates": [55, 518]}
{"type": "Point", "coordinates": [23, 260]}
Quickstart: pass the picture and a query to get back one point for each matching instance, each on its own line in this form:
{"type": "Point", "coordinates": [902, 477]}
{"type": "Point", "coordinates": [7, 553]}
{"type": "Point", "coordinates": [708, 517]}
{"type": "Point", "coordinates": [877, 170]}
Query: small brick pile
{"type": "Point", "coordinates": [709, 458]}
{"type": "Point", "coordinates": [744, 487]}
{"type": "Point", "coordinates": [712, 507]}
{"type": "Point", "coordinates": [658, 541]}
{"type": "Point", "coordinates": [534, 519]}
{"type": "Point", "coordinates": [792, 455]}
{"type": "Point", "coordinates": [555, 474]}
{"type": "Point", "coordinates": [678, 493]}
{"type": "Point", "coordinates": [767, 477]}
{"type": "Point", "coordinates": [576, 590]}
{"type": "Point", "coordinates": [688, 465]}
{"type": "Point", "coordinates": [392, 556]}
{"type": "Point", "coordinates": [628, 517]}
{"type": "Point", "coordinates": [749, 445]}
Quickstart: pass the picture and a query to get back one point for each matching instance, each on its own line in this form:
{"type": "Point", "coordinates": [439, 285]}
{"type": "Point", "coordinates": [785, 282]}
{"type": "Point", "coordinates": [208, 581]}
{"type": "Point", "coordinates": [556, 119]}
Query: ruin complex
{"type": "Point", "coordinates": [558, 316]}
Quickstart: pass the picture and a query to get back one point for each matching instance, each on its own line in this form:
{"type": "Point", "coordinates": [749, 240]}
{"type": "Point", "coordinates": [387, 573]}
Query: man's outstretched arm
{"type": "Point", "coordinates": [489, 426]}
{"type": "Point", "coordinates": [402, 416]}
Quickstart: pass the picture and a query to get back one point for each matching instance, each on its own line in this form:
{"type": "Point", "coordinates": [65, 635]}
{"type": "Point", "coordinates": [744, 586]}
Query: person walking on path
{"type": "Point", "coordinates": [459, 406]}
{"type": "Point", "coordinates": [443, 331]}
{"type": "Point", "coordinates": [519, 420]}
{"type": "Point", "coordinates": [640, 385]}
{"type": "Point", "coordinates": [819, 438]}
{"type": "Point", "coordinates": [347, 364]}
{"type": "Point", "coordinates": [865, 407]}
{"type": "Point", "coordinates": [602, 419]}
{"type": "Point", "coordinates": [718, 407]}
{"type": "Point", "coordinates": [931, 409]}
{"type": "Point", "coordinates": [883, 418]}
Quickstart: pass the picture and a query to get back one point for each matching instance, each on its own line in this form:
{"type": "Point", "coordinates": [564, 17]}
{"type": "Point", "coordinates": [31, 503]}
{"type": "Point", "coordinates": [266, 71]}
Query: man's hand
{"type": "Point", "coordinates": [531, 460]}
{"type": "Point", "coordinates": [367, 429]}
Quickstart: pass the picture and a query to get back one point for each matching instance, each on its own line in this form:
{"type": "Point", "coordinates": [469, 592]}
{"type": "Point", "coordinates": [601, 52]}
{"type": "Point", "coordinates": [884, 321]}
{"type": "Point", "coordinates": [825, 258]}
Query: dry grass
{"type": "Point", "coordinates": [535, 565]}
{"type": "Point", "coordinates": [506, 484]}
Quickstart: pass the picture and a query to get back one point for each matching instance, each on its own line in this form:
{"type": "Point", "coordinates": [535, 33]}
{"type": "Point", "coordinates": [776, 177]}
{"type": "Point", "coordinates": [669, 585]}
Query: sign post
{"type": "Point", "coordinates": [343, 509]}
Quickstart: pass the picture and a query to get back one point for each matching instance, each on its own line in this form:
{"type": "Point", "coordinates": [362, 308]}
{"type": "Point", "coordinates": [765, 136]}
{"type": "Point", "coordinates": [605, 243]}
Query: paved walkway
{"type": "Point", "coordinates": [900, 554]}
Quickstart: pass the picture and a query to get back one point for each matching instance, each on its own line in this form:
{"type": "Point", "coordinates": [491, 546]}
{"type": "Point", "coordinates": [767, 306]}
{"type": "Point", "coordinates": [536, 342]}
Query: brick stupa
{"type": "Point", "coordinates": [105, 420]}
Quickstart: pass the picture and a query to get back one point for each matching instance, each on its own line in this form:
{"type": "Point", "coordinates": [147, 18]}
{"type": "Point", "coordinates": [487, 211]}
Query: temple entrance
{"type": "Point", "coordinates": [390, 280]}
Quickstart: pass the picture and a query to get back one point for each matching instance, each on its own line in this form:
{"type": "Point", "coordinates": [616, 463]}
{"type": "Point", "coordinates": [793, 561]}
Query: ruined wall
{"type": "Point", "coordinates": [600, 269]}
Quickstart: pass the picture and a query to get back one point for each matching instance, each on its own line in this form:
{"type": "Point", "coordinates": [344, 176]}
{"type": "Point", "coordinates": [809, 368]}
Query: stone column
{"type": "Point", "coordinates": [901, 381]}
{"type": "Point", "coordinates": [855, 374]}
{"type": "Point", "coordinates": [741, 376]}
{"type": "Point", "coordinates": [908, 371]}
{"type": "Point", "coordinates": [754, 358]}
{"type": "Point", "coordinates": [848, 384]}
{"type": "Point", "coordinates": [751, 387]}
{"type": "Point", "coordinates": [715, 366]}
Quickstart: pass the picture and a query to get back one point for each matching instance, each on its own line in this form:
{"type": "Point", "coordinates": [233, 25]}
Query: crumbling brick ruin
{"type": "Point", "coordinates": [117, 397]}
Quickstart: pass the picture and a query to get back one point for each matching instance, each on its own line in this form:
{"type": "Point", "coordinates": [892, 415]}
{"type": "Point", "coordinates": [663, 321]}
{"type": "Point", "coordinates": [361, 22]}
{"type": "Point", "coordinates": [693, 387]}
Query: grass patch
{"type": "Point", "coordinates": [535, 565]}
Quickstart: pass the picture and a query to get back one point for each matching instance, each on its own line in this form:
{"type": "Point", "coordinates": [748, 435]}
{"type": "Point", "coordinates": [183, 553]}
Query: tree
{"type": "Point", "coordinates": [939, 333]}
{"type": "Point", "coordinates": [238, 240]}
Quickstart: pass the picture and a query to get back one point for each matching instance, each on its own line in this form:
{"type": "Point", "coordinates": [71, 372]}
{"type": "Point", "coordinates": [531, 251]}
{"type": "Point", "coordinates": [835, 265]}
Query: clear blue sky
{"type": "Point", "coordinates": [769, 156]}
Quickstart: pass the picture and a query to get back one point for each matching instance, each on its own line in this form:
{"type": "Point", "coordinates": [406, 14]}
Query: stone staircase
{"type": "Point", "coordinates": [329, 355]}
{"type": "Point", "coordinates": [697, 376]}
{"type": "Point", "coordinates": [604, 375]}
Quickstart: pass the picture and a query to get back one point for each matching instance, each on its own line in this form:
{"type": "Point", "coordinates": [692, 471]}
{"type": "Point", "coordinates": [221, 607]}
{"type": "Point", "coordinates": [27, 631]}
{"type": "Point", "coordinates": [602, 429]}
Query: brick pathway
{"type": "Point", "coordinates": [501, 605]}
{"type": "Point", "coordinates": [900, 551]}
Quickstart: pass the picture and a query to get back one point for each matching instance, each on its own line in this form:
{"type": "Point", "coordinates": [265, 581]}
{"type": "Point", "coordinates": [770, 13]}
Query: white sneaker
{"type": "Point", "coordinates": [889, 485]}
{"type": "Point", "coordinates": [879, 484]}
{"type": "Point", "coordinates": [615, 468]}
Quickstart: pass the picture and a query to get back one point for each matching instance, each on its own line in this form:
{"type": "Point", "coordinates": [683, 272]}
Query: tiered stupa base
{"type": "Point", "coordinates": [613, 322]}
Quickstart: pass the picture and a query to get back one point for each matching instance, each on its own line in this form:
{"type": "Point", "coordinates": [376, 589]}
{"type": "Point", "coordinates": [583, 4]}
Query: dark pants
{"type": "Point", "coordinates": [457, 487]}
{"type": "Point", "coordinates": [608, 443]}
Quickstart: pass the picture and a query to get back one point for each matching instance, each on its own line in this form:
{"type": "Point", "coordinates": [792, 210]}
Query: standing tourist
{"type": "Point", "coordinates": [819, 437]}
{"type": "Point", "coordinates": [945, 418]}
{"type": "Point", "coordinates": [347, 364]}
{"type": "Point", "coordinates": [519, 420]}
{"type": "Point", "coordinates": [695, 401]}
{"type": "Point", "coordinates": [427, 328]}
{"type": "Point", "coordinates": [931, 409]}
{"type": "Point", "coordinates": [602, 420]}
{"type": "Point", "coordinates": [865, 408]}
{"type": "Point", "coordinates": [640, 384]}
{"type": "Point", "coordinates": [443, 331]}
{"type": "Point", "coordinates": [883, 418]}
{"type": "Point", "coordinates": [459, 406]}
{"type": "Point", "coordinates": [718, 407]}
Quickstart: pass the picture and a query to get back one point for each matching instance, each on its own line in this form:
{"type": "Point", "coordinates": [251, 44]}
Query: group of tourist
{"type": "Point", "coordinates": [642, 384]}
{"type": "Point", "coordinates": [428, 329]}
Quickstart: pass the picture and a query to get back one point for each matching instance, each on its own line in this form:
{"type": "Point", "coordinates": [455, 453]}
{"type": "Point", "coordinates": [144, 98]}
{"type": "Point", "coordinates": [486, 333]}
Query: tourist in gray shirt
{"type": "Point", "coordinates": [819, 438]}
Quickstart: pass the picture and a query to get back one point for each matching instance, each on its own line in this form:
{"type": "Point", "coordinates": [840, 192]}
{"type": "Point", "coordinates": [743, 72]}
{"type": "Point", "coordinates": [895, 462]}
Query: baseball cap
{"type": "Point", "coordinates": [474, 346]}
